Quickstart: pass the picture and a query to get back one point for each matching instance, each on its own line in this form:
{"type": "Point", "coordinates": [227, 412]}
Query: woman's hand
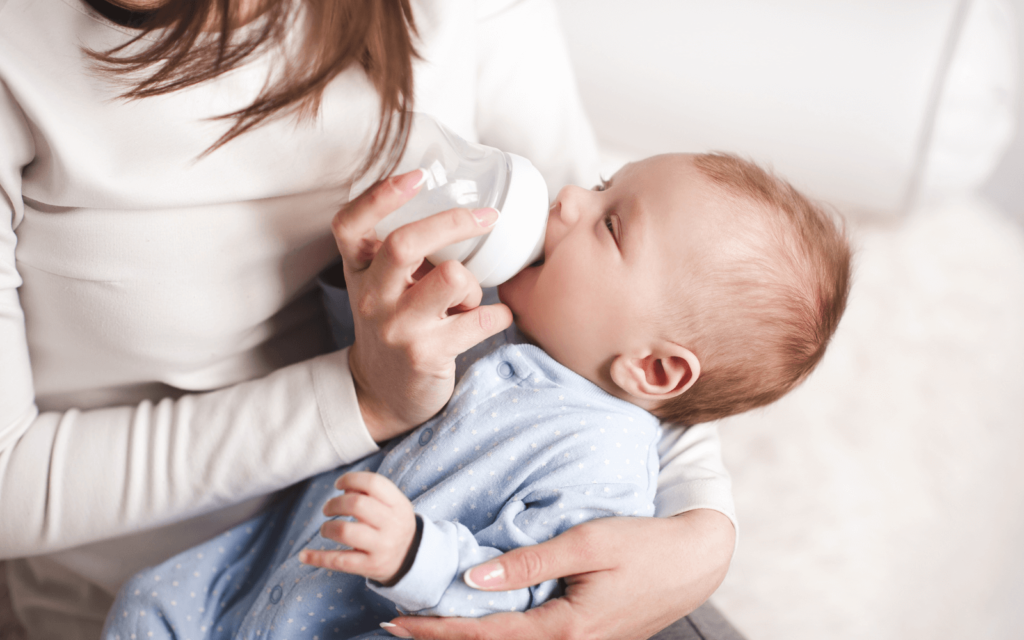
{"type": "Point", "coordinates": [626, 578]}
{"type": "Point", "coordinates": [410, 321]}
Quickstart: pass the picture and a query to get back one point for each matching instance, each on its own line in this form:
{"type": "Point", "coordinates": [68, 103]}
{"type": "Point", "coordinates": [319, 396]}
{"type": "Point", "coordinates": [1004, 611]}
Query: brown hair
{"type": "Point", "coordinates": [178, 52]}
{"type": "Point", "coordinates": [763, 314]}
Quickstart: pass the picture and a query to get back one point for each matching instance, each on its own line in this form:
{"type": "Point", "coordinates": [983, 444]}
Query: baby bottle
{"type": "Point", "coordinates": [463, 174]}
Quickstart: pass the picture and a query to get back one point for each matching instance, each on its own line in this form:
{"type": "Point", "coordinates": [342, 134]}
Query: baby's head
{"type": "Point", "coordinates": [695, 286]}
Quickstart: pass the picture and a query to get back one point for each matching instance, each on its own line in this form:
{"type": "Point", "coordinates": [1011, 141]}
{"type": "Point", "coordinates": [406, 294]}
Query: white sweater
{"type": "Point", "coordinates": [159, 331]}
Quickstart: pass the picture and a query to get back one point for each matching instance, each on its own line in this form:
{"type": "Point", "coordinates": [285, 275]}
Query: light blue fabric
{"type": "Point", "coordinates": [524, 450]}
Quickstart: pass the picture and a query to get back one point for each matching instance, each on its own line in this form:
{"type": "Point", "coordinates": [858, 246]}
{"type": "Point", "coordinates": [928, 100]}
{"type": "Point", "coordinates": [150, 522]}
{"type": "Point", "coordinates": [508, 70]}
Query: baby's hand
{"type": "Point", "coordinates": [382, 535]}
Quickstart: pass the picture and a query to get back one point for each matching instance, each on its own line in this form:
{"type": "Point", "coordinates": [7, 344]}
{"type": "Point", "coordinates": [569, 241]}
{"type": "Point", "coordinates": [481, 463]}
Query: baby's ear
{"type": "Point", "coordinates": [664, 372]}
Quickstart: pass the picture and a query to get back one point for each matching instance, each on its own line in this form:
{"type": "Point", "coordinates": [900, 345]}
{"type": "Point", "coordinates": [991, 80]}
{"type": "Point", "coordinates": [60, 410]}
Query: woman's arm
{"type": "Point", "coordinates": [71, 477]}
{"type": "Point", "coordinates": [74, 476]}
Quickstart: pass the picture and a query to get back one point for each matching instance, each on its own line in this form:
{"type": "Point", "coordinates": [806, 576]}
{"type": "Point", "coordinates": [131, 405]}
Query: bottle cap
{"type": "Point", "coordinates": [517, 239]}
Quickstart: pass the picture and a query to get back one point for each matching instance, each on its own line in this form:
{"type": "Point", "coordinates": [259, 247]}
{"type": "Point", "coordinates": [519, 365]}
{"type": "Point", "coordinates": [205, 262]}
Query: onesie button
{"type": "Point", "coordinates": [275, 594]}
{"type": "Point", "coordinates": [506, 370]}
{"type": "Point", "coordinates": [425, 437]}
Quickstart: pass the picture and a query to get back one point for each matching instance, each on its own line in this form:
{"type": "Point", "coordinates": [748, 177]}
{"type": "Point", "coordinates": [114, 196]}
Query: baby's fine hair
{"type": "Point", "coordinates": [761, 315]}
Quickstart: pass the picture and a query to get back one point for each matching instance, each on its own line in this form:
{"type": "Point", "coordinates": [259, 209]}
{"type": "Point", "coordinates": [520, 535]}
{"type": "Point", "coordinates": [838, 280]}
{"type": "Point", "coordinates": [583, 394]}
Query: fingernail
{"type": "Point", "coordinates": [410, 181]}
{"type": "Point", "coordinates": [395, 630]}
{"type": "Point", "coordinates": [486, 217]}
{"type": "Point", "coordinates": [304, 557]}
{"type": "Point", "coordinates": [486, 576]}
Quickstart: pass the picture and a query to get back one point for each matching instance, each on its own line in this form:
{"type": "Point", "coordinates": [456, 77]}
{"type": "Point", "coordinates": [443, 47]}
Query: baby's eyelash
{"type": "Point", "coordinates": [613, 224]}
{"type": "Point", "coordinates": [604, 185]}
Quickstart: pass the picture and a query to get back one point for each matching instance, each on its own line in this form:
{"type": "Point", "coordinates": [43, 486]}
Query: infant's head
{"type": "Point", "coordinates": [695, 286]}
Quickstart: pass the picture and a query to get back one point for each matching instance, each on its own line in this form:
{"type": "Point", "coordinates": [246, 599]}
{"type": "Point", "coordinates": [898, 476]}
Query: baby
{"type": "Point", "coordinates": [685, 289]}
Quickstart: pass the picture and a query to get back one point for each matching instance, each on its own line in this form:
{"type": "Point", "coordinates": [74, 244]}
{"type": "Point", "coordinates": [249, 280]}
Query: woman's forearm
{"type": "Point", "coordinates": [79, 476]}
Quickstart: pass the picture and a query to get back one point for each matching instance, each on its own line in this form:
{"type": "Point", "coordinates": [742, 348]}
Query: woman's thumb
{"type": "Point", "coordinates": [523, 567]}
{"type": "Point", "coordinates": [476, 325]}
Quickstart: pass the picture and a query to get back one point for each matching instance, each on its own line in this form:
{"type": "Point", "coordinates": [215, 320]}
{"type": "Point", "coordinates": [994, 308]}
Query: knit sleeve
{"type": "Point", "coordinates": [75, 476]}
{"type": "Point", "coordinates": [692, 474]}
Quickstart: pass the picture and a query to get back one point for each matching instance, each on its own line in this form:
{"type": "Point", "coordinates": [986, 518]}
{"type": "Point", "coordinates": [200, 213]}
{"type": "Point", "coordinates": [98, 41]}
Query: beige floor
{"type": "Point", "coordinates": [885, 498]}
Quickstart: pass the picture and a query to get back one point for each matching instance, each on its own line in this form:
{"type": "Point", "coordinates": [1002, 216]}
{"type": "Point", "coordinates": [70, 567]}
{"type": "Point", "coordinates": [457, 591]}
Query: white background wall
{"type": "Point", "coordinates": [884, 500]}
{"type": "Point", "coordinates": [1006, 187]}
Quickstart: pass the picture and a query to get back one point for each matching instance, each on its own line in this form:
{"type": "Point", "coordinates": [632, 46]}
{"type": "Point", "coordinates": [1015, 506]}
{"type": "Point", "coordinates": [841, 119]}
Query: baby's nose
{"type": "Point", "coordinates": [567, 205]}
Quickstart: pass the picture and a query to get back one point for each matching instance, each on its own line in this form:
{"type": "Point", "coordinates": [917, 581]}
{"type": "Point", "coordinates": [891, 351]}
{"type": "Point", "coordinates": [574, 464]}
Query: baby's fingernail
{"type": "Point", "coordinates": [395, 630]}
{"type": "Point", "coordinates": [408, 182]}
{"type": "Point", "coordinates": [304, 557]}
{"type": "Point", "coordinates": [486, 576]}
{"type": "Point", "coordinates": [486, 217]}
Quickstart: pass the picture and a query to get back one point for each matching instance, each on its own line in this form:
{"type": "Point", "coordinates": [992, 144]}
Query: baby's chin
{"type": "Point", "coordinates": [515, 292]}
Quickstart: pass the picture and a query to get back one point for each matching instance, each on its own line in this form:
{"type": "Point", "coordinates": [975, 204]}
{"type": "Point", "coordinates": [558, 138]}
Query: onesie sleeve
{"type": "Point", "coordinates": [527, 100]}
{"type": "Point", "coordinates": [68, 478]}
{"type": "Point", "coordinates": [574, 481]}
{"type": "Point", "coordinates": [434, 585]}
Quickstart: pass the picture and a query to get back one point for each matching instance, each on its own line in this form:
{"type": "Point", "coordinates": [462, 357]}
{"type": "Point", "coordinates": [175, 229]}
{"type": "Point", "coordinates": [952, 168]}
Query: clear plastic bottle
{"type": "Point", "coordinates": [464, 174]}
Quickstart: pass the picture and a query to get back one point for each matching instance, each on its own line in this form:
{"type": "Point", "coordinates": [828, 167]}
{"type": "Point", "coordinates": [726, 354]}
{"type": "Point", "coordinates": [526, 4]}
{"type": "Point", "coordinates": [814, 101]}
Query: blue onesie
{"type": "Point", "coordinates": [524, 450]}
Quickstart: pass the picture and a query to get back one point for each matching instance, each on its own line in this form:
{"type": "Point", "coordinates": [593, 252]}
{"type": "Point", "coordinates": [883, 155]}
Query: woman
{"type": "Point", "coordinates": [160, 338]}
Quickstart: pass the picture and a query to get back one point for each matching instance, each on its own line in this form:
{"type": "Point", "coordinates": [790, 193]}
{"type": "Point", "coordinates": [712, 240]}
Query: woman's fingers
{"type": "Point", "coordinates": [554, 619]}
{"type": "Point", "coordinates": [354, 222]}
{"type": "Point", "coordinates": [472, 327]}
{"type": "Point", "coordinates": [403, 358]}
{"type": "Point", "coordinates": [450, 285]}
{"type": "Point", "coordinates": [405, 248]}
{"type": "Point", "coordinates": [451, 289]}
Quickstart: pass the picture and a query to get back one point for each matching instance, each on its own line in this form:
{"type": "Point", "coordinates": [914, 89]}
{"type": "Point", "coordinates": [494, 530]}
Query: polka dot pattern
{"type": "Point", "coordinates": [524, 450]}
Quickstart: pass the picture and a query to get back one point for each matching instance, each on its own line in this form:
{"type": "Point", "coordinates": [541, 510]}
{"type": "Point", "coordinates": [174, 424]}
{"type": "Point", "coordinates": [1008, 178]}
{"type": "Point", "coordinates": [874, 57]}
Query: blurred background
{"type": "Point", "coordinates": [885, 497]}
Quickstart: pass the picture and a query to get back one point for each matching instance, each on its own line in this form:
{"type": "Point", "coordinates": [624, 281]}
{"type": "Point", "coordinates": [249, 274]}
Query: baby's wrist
{"type": "Point", "coordinates": [410, 555]}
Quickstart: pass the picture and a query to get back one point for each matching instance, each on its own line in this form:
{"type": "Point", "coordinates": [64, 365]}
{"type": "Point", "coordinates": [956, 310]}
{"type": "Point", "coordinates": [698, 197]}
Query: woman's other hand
{"type": "Point", "coordinates": [626, 578]}
{"type": "Point", "coordinates": [410, 321]}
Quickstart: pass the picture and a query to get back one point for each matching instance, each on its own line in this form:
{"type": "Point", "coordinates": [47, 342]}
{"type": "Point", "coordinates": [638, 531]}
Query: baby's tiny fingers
{"type": "Point", "coordinates": [344, 561]}
{"type": "Point", "coordinates": [372, 484]}
{"type": "Point", "coordinates": [354, 534]}
{"type": "Point", "coordinates": [360, 506]}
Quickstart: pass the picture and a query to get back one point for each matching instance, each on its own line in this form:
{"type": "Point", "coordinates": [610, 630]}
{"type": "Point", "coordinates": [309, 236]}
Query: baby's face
{"type": "Point", "coordinates": [611, 256]}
